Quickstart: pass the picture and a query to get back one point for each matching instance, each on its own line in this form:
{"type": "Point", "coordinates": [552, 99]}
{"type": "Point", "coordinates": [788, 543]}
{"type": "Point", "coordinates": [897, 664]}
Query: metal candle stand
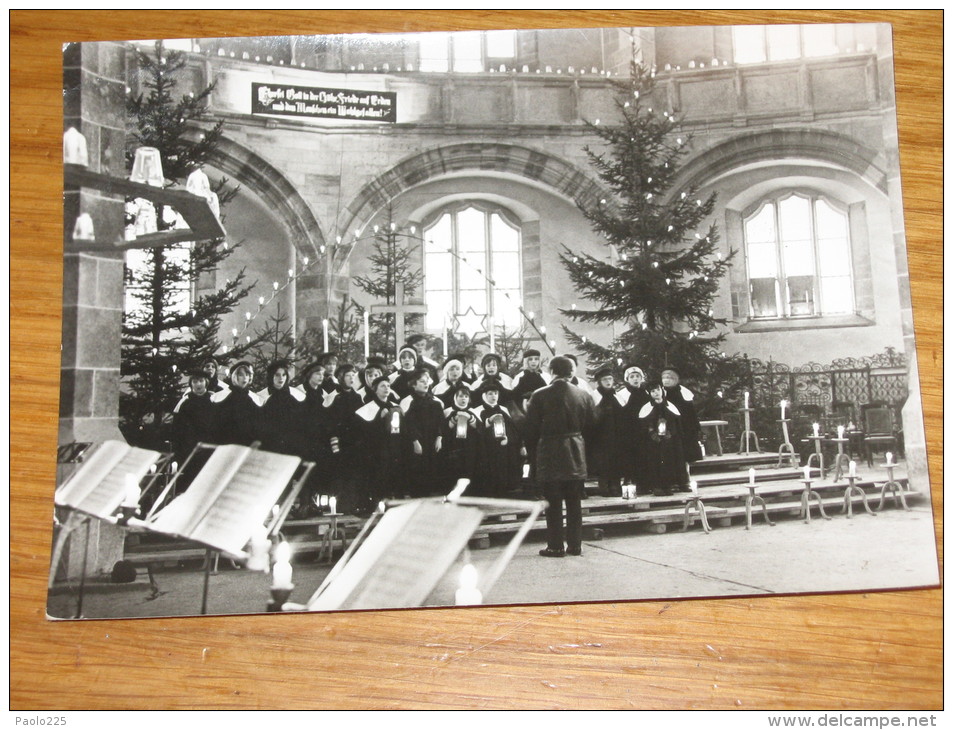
{"type": "Point", "coordinates": [841, 458]}
{"type": "Point", "coordinates": [786, 449]}
{"type": "Point", "coordinates": [696, 502]}
{"type": "Point", "coordinates": [894, 487]}
{"type": "Point", "coordinates": [818, 452]}
{"type": "Point", "coordinates": [848, 503]}
{"type": "Point", "coordinates": [806, 501]}
{"type": "Point", "coordinates": [749, 501]}
{"type": "Point", "coordinates": [279, 597]}
{"type": "Point", "coordinates": [745, 445]}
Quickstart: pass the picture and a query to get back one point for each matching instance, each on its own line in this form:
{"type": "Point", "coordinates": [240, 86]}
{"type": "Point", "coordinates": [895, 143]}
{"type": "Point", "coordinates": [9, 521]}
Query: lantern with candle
{"type": "Point", "coordinates": [281, 570]}
{"type": "Point", "coordinates": [468, 594]}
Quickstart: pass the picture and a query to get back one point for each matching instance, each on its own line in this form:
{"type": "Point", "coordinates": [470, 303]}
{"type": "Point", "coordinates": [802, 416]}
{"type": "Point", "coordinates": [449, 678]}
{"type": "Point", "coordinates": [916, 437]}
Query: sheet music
{"type": "Point", "coordinates": [403, 558]}
{"type": "Point", "coordinates": [99, 486]}
{"type": "Point", "coordinates": [246, 501]}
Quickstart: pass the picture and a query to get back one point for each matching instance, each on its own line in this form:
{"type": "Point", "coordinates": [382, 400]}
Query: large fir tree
{"type": "Point", "coordinates": [661, 268]}
{"type": "Point", "coordinates": [169, 327]}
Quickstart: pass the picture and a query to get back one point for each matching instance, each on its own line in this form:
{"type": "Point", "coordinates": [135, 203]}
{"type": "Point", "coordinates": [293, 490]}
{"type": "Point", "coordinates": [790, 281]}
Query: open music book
{"type": "Point", "coordinates": [232, 495]}
{"type": "Point", "coordinates": [402, 559]}
{"type": "Point", "coordinates": [99, 486]}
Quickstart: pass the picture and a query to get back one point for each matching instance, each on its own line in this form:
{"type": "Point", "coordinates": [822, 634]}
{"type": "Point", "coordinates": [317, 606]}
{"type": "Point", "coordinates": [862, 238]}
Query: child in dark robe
{"type": "Point", "coordinates": [665, 468]}
{"type": "Point", "coordinates": [237, 412]}
{"type": "Point", "coordinates": [604, 446]}
{"type": "Point", "coordinates": [314, 439]}
{"type": "Point", "coordinates": [632, 397]}
{"type": "Point", "coordinates": [528, 380]}
{"type": "Point", "coordinates": [193, 421]}
{"type": "Point", "coordinates": [384, 470]}
{"type": "Point", "coordinates": [330, 362]}
{"type": "Point", "coordinates": [346, 443]}
{"type": "Point", "coordinates": [281, 411]}
{"type": "Point", "coordinates": [683, 399]}
{"type": "Point", "coordinates": [492, 367]}
{"type": "Point", "coordinates": [462, 444]}
{"type": "Point", "coordinates": [423, 416]}
{"type": "Point", "coordinates": [210, 368]}
{"type": "Point", "coordinates": [452, 376]}
{"type": "Point", "coordinates": [373, 369]}
{"type": "Point", "coordinates": [503, 448]}
{"type": "Point", "coordinates": [400, 379]}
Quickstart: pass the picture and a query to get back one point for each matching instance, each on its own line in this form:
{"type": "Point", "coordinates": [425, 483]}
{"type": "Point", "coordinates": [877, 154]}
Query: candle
{"type": "Point", "coordinates": [446, 338]}
{"type": "Point", "coordinates": [324, 323]}
{"type": "Point", "coordinates": [468, 594]}
{"type": "Point", "coordinates": [750, 476]}
{"type": "Point", "coordinates": [693, 485]}
{"type": "Point", "coordinates": [661, 428]}
{"type": "Point", "coordinates": [840, 432]}
{"type": "Point", "coordinates": [395, 422]}
{"type": "Point", "coordinates": [807, 473]}
{"type": "Point", "coordinates": [817, 429]}
{"type": "Point", "coordinates": [702, 448]}
{"type": "Point", "coordinates": [492, 334]}
{"type": "Point", "coordinates": [746, 399]}
{"type": "Point", "coordinates": [131, 498]}
{"type": "Point", "coordinates": [333, 504]}
{"type": "Point", "coordinates": [889, 458]}
{"type": "Point", "coordinates": [258, 550]}
{"type": "Point", "coordinates": [367, 334]}
{"type": "Point", "coordinates": [852, 469]}
{"type": "Point", "coordinates": [784, 404]}
{"type": "Point", "coordinates": [281, 572]}
{"type": "Point", "coordinates": [381, 507]}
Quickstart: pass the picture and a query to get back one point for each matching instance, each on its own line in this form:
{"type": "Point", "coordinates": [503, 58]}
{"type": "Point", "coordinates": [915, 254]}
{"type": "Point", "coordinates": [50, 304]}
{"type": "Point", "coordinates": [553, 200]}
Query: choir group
{"type": "Point", "coordinates": [413, 428]}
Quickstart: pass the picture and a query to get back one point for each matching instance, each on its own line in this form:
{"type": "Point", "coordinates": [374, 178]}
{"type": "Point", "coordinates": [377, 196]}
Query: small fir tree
{"type": "Point", "coordinates": [392, 261]}
{"type": "Point", "coordinates": [663, 267]}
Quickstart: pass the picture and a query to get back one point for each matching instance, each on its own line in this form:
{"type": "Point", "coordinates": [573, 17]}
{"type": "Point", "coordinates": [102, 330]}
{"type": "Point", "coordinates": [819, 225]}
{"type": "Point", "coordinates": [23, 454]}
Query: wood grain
{"type": "Point", "coordinates": [874, 651]}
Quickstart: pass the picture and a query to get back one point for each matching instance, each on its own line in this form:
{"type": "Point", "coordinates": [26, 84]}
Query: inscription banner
{"type": "Point", "coordinates": [307, 101]}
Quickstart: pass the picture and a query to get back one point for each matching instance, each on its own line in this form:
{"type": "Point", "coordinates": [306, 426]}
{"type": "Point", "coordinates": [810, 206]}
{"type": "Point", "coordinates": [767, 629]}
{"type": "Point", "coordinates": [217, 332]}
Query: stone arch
{"type": "Point", "coordinates": [523, 162]}
{"type": "Point", "coordinates": [275, 190]}
{"type": "Point", "coordinates": [778, 145]}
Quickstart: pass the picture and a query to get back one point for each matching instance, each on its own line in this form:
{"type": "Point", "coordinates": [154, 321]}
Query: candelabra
{"type": "Point", "coordinates": [840, 458]}
{"type": "Point", "coordinates": [806, 496]}
{"type": "Point", "coordinates": [745, 446]}
{"type": "Point", "coordinates": [848, 502]}
{"type": "Point", "coordinates": [786, 449]}
{"type": "Point", "coordinates": [750, 500]}
{"type": "Point", "coordinates": [893, 487]}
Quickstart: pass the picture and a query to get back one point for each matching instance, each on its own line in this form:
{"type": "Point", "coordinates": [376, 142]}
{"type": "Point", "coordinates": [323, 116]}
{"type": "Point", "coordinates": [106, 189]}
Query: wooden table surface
{"type": "Point", "coordinates": [874, 651]}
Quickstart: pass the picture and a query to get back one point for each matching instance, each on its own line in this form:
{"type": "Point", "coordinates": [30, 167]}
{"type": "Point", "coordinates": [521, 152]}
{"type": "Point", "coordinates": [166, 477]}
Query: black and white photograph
{"type": "Point", "coordinates": [496, 317]}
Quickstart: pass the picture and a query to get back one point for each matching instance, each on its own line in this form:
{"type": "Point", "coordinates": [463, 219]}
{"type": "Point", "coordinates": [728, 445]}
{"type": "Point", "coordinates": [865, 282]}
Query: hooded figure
{"type": "Point", "coordinates": [281, 411]}
{"type": "Point", "coordinates": [604, 447]}
{"type": "Point", "coordinates": [452, 376]}
{"type": "Point", "coordinates": [632, 396]}
{"type": "Point", "coordinates": [492, 367]}
{"type": "Point", "coordinates": [400, 378]}
{"type": "Point", "coordinates": [664, 457]}
{"type": "Point", "coordinates": [237, 418]}
{"type": "Point", "coordinates": [384, 446]}
{"type": "Point", "coordinates": [528, 380]}
{"type": "Point", "coordinates": [684, 400]}
{"type": "Point", "coordinates": [423, 416]}
{"type": "Point", "coordinates": [462, 450]}
{"type": "Point", "coordinates": [503, 449]}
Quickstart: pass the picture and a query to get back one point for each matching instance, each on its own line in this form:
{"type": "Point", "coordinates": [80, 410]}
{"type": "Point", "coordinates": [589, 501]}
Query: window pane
{"type": "Point", "coordinates": [471, 231]}
{"type": "Point", "coordinates": [470, 298]}
{"type": "Point", "coordinates": [437, 237]}
{"type": "Point", "coordinates": [466, 52]}
{"type": "Point", "coordinates": [501, 43]}
{"type": "Point", "coordinates": [439, 270]}
{"type": "Point", "coordinates": [506, 309]}
{"type": "Point", "coordinates": [819, 40]}
{"type": "Point", "coordinates": [439, 306]}
{"type": "Point", "coordinates": [762, 260]}
{"type": "Point", "coordinates": [799, 258]}
{"type": "Point", "coordinates": [760, 228]}
{"type": "Point", "coordinates": [783, 42]}
{"type": "Point", "coordinates": [831, 223]}
{"type": "Point", "coordinates": [800, 295]}
{"type": "Point", "coordinates": [506, 270]}
{"type": "Point", "coordinates": [764, 302]}
{"type": "Point", "coordinates": [470, 277]}
{"type": "Point", "coordinates": [434, 54]}
{"type": "Point", "coordinates": [836, 295]}
{"type": "Point", "coordinates": [749, 43]}
{"type": "Point", "coordinates": [503, 236]}
{"type": "Point", "coordinates": [835, 258]}
{"type": "Point", "coordinates": [795, 216]}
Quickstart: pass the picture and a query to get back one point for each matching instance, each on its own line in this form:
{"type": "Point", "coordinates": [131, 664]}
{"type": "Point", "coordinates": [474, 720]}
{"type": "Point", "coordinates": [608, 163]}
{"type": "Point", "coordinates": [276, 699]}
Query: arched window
{"type": "Point", "coordinates": [798, 256]}
{"type": "Point", "coordinates": [765, 43]}
{"type": "Point", "coordinates": [472, 260]}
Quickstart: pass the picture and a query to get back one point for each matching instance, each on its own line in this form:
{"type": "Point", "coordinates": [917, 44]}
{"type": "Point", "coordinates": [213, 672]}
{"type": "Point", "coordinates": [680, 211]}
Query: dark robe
{"type": "Point", "coordinates": [281, 415]}
{"type": "Point", "coordinates": [237, 416]}
{"type": "Point", "coordinates": [605, 451]}
{"type": "Point", "coordinates": [193, 421]}
{"type": "Point", "coordinates": [683, 399]}
{"type": "Point", "coordinates": [633, 436]}
{"type": "Point", "coordinates": [665, 467]}
{"type": "Point", "coordinates": [502, 462]}
{"type": "Point", "coordinates": [423, 416]}
{"type": "Point", "coordinates": [314, 445]}
{"type": "Point", "coordinates": [444, 391]}
{"type": "Point", "coordinates": [383, 463]}
{"type": "Point", "coordinates": [346, 453]}
{"type": "Point", "coordinates": [400, 383]}
{"type": "Point", "coordinates": [460, 457]}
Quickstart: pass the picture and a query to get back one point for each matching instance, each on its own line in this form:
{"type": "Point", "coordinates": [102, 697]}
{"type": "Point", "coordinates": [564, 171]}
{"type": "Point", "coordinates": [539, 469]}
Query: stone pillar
{"type": "Point", "coordinates": [94, 84]}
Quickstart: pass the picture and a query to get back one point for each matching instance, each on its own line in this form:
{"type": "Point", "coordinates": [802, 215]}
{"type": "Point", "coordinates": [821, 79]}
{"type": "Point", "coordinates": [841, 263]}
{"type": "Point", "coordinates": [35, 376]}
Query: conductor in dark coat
{"type": "Point", "coordinates": [557, 416]}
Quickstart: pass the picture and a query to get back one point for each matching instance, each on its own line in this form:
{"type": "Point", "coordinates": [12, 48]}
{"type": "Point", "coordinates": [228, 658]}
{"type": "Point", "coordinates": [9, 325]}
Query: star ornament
{"type": "Point", "coordinates": [470, 323]}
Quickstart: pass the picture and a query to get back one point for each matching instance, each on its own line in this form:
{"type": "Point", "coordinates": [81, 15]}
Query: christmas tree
{"type": "Point", "coordinates": [391, 262]}
{"type": "Point", "coordinates": [172, 316]}
{"type": "Point", "coordinates": [662, 267]}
